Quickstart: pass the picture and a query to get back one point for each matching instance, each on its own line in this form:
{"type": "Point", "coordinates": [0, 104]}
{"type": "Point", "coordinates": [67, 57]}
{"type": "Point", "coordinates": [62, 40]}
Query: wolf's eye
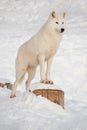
{"type": "Point", "coordinates": [56, 22]}
{"type": "Point", "coordinates": [62, 22]}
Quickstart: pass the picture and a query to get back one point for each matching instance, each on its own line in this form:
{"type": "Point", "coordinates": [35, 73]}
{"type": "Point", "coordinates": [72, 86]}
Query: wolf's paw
{"type": "Point", "coordinates": [13, 95]}
{"type": "Point", "coordinates": [47, 82]}
{"type": "Point", "coordinates": [50, 82]}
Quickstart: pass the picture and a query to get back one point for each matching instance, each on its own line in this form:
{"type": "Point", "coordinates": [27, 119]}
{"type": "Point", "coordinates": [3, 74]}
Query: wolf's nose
{"type": "Point", "coordinates": [62, 30]}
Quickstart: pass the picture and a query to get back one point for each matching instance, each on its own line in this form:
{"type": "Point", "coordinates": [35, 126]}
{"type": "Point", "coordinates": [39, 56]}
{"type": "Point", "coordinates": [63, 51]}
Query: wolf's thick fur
{"type": "Point", "coordinates": [38, 50]}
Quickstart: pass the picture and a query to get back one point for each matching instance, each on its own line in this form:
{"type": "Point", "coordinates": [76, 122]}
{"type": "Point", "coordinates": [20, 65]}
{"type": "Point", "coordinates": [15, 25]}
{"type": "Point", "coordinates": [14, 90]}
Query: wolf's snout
{"type": "Point", "coordinates": [62, 30]}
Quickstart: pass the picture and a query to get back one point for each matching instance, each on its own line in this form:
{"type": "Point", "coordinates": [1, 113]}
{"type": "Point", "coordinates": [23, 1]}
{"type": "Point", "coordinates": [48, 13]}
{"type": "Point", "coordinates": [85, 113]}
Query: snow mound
{"type": "Point", "coordinates": [43, 86]}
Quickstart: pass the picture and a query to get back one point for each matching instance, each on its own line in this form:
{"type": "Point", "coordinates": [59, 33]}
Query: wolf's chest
{"type": "Point", "coordinates": [50, 52]}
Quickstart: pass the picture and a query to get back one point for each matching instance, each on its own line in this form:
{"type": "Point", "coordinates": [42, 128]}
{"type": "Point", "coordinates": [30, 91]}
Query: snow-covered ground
{"type": "Point", "coordinates": [19, 20]}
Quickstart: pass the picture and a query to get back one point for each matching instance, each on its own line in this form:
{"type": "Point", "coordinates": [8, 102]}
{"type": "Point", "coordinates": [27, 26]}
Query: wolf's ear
{"type": "Point", "coordinates": [53, 14]}
{"type": "Point", "coordinates": [63, 14]}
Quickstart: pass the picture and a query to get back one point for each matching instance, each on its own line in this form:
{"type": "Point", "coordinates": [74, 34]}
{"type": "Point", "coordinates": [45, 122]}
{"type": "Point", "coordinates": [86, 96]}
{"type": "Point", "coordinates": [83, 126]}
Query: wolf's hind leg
{"type": "Point", "coordinates": [19, 77]}
{"type": "Point", "coordinates": [31, 73]}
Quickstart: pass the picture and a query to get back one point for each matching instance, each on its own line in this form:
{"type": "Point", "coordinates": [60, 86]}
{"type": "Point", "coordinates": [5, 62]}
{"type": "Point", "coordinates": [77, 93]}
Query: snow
{"type": "Point", "coordinates": [19, 20]}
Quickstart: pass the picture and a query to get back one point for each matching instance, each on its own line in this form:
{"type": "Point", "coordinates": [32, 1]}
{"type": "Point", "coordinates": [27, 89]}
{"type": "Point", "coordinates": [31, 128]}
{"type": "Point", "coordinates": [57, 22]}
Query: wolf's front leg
{"type": "Point", "coordinates": [42, 68]}
{"type": "Point", "coordinates": [49, 62]}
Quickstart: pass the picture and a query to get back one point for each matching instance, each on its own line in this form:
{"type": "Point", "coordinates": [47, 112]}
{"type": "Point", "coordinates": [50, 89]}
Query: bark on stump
{"type": "Point", "coordinates": [56, 96]}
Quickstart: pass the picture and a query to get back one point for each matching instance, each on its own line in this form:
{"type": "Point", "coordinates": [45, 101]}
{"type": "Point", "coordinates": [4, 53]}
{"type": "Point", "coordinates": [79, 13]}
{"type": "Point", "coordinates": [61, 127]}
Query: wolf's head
{"type": "Point", "coordinates": [57, 22]}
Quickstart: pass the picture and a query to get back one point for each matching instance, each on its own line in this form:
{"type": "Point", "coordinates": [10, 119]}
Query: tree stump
{"type": "Point", "coordinates": [54, 95]}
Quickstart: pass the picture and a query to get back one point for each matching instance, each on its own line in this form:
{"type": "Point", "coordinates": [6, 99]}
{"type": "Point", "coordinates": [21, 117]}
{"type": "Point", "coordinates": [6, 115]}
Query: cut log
{"type": "Point", "coordinates": [2, 85]}
{"type": "Point", "coordinates": [8, 85]}
{"type": "Point", "coordinates": [56, 96]}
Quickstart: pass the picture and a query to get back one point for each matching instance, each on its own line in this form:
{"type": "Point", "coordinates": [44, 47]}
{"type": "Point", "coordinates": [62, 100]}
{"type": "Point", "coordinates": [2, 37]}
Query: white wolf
{"type": "Point", "coordinates": [38, 50]}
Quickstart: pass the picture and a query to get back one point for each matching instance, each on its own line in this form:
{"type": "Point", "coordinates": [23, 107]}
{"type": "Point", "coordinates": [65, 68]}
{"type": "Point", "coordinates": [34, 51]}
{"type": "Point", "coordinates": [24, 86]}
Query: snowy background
{"type": "Point", "coordinates": [19, 20]}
